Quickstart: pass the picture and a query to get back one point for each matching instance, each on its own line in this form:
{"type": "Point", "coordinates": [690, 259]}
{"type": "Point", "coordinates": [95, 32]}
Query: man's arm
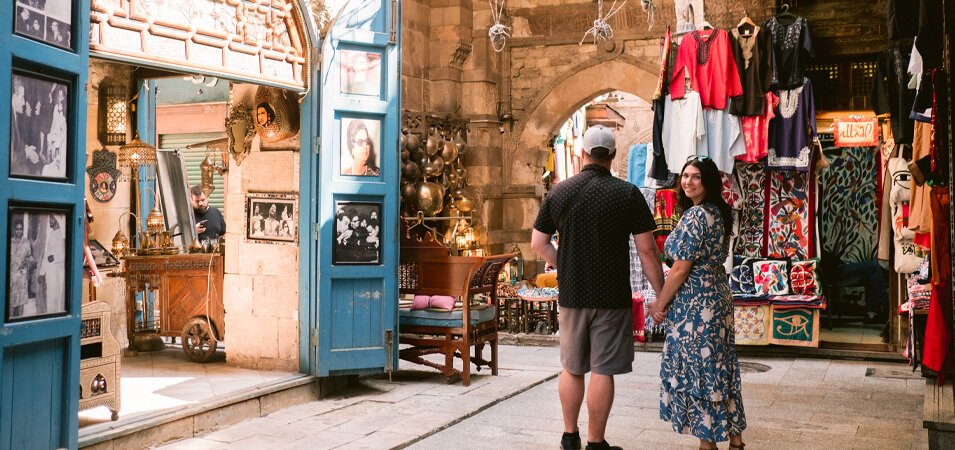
{"type": "Point", "coordinates": [541, 244]}
{"type": "Point", "coordinates": [650, 260]}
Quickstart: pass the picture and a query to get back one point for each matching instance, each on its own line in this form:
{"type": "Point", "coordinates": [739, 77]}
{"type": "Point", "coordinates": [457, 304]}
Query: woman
{"type": "Point", "coordinates": [362, 150]}
{"type": "Point", "coordinates": [700, 391]}
{"type": "Point", "coordinates": [22, 261]}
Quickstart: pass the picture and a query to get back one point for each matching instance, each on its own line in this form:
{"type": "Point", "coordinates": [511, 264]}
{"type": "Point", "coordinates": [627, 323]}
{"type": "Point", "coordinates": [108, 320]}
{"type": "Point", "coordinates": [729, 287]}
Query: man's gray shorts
{"type": "Point", "coordinates": [598, 340]}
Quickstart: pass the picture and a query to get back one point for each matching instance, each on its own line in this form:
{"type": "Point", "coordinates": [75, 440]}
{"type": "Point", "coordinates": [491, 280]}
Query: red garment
{"type": "Point", "coordinates": [938, 330]}
{"type": "Point", "coordinates": [756, 131]}
{"type": "Point", "coordinates": [707, 57]}
{"type": "Point", "coordinates": [639, 317]}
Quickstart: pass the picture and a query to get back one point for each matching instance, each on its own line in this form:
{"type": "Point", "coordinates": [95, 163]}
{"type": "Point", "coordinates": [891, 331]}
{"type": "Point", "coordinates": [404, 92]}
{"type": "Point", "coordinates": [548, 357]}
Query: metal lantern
{"type": "Point", "coordinates": [113, 113]}
{"type": "Point", "coordinates": [136, 153]}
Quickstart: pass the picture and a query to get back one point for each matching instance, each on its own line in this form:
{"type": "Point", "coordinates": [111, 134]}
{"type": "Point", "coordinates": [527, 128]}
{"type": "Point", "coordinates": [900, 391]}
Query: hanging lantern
{"type": "Point", "coordinates": [136, 153]}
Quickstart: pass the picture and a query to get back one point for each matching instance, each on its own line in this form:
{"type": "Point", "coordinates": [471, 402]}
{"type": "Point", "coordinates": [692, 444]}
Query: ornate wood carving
{"type": "Point", "coordinates": [259, 39]}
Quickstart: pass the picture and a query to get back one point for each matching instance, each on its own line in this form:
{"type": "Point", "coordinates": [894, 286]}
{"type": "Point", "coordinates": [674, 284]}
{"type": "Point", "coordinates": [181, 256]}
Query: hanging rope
{"type": "Point", "coordinates": [601, 29]}
{"type": "Point", "coordinates": [650, 9]}
{"type": "Point", "coordinates": [498, 32]}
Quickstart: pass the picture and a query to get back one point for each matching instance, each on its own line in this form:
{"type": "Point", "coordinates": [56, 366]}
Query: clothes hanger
{"type": "Point", "coordinates": [705, 25]}
{"type": "Point", "coordinates": [748, 23]}
{"type": "Point", "coordinates": [785, 14]}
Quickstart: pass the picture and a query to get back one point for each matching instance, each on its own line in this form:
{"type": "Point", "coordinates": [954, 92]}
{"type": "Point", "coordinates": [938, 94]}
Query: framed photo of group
{"type": "Point", "coordinates": [49, 21]}
{"type": "Point", "coordinates": [37, 270]}
{"type": "Point", "coordinates": [361, 139]}
{"type": "Point", "coordinates": [357, 233]}
{"type": "Point", "coordinates": [271, 218]}
{"type": "Point", "coordinates": [39, 127]}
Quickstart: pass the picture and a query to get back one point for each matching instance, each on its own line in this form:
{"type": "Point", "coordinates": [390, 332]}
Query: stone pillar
{"type": "Point", "coordinates": [450, 46]}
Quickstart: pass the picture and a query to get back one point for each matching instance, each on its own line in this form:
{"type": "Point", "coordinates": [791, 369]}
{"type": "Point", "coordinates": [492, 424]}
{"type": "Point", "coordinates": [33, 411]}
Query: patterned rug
{"type": "Point", "coordinates": [751, 180]}
{"type": "Point", "coordinates": [790, 221]}
{"type": "Point", "coordinates": [848, 213]}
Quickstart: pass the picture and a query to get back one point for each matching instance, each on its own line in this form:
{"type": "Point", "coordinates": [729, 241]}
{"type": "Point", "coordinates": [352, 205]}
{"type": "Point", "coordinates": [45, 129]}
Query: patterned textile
{"type": "Point", "coordinates": [752, 178]}
{"type": "Point", "coordinates": [731, 191]}
{"type": "Point", "coordinates": [771, 277]}
{"type": "Point", "coordinates": [848, 213]}
{"type": "Point", "coordinates": [638, 282]}
{"type": "Point", "coordinates": [790, 221]}
{"type": "Point", "coordinates": [751, 324]}
{"type": "Point", "coordinates": [804, 277]}
{"type": "Point", "coordinates": [809, 301]}
{"type": "Point", "coordinates": [741, 280]}
{"type": "Point", "coordinates": [700, 389]}
{"type": "Point", "coordinates": [795, 326]}
{"type": "Point", "coordinates": [664, 214]}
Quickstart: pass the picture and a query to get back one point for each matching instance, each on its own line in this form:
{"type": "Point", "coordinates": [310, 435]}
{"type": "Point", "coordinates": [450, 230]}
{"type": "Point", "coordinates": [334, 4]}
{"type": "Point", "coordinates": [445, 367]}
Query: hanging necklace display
{"type": "Point", "coordinates": [651, 10]}
{"type": "Point", "coordinates": [498, 32]}
{"type": "Point", "coordinates": [601, 29]}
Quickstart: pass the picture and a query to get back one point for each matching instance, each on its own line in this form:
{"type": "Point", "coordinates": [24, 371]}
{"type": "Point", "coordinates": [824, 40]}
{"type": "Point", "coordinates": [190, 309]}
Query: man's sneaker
{"type": "Point", "coordinates": [570, 441]}
{"type": "Point", "coordinates": [602, 446]}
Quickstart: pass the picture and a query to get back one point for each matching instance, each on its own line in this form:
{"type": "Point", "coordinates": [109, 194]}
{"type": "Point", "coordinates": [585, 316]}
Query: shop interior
{"type": "Point", "coordinates": [156, 281]}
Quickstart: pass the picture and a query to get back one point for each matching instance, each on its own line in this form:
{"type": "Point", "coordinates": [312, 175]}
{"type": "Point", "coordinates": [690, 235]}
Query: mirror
{"type": "Point", "coordinates": [174, 195]}
{"type": "Point", "coordinates": [239, 127]}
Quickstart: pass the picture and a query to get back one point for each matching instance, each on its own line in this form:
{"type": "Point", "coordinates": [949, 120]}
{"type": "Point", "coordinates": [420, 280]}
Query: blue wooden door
{"type": "Point", "coordinates": [43, 70]}
{"type": "Point", "coordinates": [358, 190]}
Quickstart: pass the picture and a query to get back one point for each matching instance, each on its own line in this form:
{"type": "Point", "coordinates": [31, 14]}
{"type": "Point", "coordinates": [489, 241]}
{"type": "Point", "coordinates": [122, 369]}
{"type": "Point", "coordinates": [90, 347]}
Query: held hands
{"type": "Point", "coordinates": [658, 311]}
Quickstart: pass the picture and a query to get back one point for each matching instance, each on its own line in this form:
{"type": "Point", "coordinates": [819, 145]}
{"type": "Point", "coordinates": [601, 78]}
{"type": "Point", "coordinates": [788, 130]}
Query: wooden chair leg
{"type": "Point", "coordinates": [494, 357]}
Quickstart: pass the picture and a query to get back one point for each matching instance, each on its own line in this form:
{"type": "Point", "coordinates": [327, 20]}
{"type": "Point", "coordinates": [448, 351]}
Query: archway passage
{"type": "Point", "coordinates": [547, 113]}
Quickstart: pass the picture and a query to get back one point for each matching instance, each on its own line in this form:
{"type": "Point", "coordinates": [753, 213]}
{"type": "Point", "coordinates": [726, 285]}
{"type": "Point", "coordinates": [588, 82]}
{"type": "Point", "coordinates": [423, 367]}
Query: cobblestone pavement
{"type": "Point", "coordinates": [790, 403]}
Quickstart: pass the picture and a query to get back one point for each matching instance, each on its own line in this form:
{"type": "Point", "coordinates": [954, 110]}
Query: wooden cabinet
{"type": "Point", "coordinates": [99, 360]}
{"type": "Point", "coordinates": [188, 292]}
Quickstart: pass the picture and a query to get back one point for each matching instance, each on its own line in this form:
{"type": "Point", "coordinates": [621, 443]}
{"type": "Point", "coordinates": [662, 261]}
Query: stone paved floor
{"type": "Point", "coordinates": [797, 403]}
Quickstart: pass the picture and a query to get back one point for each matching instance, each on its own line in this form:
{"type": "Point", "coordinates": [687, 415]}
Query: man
{"type": "Point", "coordinates": [595, 214]}
{"type": "Point", "coordinates": [209, 222]}
{"type": "Point", "coordinates": [53, 268]}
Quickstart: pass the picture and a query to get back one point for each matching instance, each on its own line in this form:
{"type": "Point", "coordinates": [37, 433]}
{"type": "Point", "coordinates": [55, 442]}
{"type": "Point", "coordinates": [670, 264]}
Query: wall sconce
{"type": "Point", "coordinates": [113, 113]}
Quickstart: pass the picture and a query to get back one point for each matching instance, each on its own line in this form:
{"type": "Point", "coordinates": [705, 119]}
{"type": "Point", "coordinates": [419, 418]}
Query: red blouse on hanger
{"type": "Point", "coordinates": [707, 56]}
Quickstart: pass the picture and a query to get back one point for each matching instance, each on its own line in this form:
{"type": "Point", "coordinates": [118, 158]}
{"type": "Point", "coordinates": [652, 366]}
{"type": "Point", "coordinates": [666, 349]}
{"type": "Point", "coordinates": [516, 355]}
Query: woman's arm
{"type": "Point", "coordinates": [675, 278]}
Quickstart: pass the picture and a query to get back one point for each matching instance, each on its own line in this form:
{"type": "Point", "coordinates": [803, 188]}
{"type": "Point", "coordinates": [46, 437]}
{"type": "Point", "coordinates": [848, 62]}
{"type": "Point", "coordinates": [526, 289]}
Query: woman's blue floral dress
{"type": "Point", "coordinates": [700, 392]}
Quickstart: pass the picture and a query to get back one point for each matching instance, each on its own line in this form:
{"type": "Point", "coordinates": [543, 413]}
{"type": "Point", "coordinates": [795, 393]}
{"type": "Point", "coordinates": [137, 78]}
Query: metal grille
{"type": "Point", "coordinates": [408, 275]}
{"type": "Point", "coordinates": [863, 77]}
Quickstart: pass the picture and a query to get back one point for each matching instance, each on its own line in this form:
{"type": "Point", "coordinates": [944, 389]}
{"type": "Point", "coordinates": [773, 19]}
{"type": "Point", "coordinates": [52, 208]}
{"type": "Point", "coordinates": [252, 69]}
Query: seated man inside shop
{"type": "Point", "coordinates": [868, 274]}
{"type": "Point", "coordinates": [210, 224]}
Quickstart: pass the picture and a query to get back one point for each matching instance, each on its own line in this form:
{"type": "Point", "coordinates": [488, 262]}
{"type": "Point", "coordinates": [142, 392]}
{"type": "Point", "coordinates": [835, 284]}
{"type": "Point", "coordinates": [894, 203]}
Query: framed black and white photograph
{"type": "Point", "coordinates": [359, 150]}
{"type": "Point", "coordinates": [271, 218]}
{"type": "Point", "coordinates": [361, 72]}
{"type": "Point", "coordinates": [101, 256]}
{"type": "Point", "coordinates": [357, 231]}
{"type": "Point", "coordinates": [39, 130]}
{"type": "Point", "coordinates": [37, 272]}
{"type": "Point", "coordinates": [48, 21]}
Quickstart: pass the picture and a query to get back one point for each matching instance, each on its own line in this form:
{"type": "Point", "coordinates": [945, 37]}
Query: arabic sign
{"type": "Point", "coordinates": [856, 132]}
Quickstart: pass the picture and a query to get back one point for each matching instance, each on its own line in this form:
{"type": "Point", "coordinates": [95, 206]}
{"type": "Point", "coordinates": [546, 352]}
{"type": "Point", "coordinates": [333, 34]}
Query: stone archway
{"type": "Point", "coordinates": [524, 151]}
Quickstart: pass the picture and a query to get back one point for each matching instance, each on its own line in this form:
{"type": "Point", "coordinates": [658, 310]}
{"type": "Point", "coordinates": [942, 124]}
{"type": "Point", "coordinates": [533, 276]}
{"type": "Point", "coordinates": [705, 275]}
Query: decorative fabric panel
{"type": "Point", "coordinates": [752, 179]}
{"type": "Point", "coordinates": [795, 326]}
{"type": "Point", "coordinates": [741, 280]}
{"type": "Point", "coordinates": [849, 215]}
{"type": "Point", "coordinates": [804, 277]}
{"type": "Point", "coordinates": [751, 324]}
{"type": "Point", "coordinates": [789, 230]}
{"type": "Point", "coordinates": [771, 277]}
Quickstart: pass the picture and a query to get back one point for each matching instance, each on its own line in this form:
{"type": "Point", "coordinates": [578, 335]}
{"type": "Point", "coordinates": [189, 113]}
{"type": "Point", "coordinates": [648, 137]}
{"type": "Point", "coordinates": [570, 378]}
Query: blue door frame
{"type": "Point", "coordinates": [40, 354]}
{"type": "Point", "coordinates": [356, 304]}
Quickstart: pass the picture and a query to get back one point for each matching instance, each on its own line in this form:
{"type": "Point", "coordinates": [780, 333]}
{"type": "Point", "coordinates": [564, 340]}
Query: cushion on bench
{"type": "Point", "coordinates": [438, 318]}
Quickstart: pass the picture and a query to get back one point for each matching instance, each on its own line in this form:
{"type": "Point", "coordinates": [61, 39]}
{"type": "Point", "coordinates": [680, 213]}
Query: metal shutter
{"type": "Point", "coordinates": [193, 157]}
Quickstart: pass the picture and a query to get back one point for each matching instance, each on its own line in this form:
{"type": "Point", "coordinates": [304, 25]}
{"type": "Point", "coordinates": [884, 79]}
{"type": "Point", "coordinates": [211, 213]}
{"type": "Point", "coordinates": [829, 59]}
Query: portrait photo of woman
{"type": "Point", "coordinates": [359, 156]}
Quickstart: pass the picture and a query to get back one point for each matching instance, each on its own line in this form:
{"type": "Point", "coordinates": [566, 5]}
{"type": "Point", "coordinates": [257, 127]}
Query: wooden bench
{"type": "Point", "coordinates": [426, 269]}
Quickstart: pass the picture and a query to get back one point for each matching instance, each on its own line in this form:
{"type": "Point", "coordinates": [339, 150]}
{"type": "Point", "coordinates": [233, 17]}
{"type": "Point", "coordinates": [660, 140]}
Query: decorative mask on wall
{"type": "Point", "coordinates": [276, 114]}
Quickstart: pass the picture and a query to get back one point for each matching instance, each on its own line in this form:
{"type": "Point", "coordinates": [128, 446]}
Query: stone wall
{"type": "Point", "coordinates": [261, 283]}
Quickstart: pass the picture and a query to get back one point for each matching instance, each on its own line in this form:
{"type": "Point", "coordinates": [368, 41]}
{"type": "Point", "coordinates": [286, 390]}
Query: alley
{"type": "Point", "coordinates": [790, 403]}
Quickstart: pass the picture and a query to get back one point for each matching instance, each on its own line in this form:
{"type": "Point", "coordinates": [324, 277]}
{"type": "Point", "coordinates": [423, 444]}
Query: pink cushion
{"type": "Point", "coordinates": [420, 302]}
{"type": "Point", "coordinates": [445, 302]}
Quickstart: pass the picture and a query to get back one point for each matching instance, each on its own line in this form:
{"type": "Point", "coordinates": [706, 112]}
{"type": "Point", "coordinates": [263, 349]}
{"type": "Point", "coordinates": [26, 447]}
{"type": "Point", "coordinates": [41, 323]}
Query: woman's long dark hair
{"type": "Point", "coordinates": [712, 186]}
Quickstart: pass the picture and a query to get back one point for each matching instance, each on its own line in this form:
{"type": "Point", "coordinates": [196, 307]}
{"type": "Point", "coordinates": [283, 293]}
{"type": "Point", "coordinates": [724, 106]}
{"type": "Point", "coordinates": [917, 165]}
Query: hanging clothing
{"type": "Point", "coordinates": [929, 39]}
{"type": "Point", "coordinates": [794, 127]}
{"type": "Point", "coordinates": [753, 54]}
{"type": "Point", "coordinates": [791, 47]}
{"type": "Point", "coordinates": [664, 214]}
{"type": "Point", "coordinates": [890, 93]}
{"type": "Point", "coordinates": [706, 56]}
{"type": "Point", "coordinates": [662, 84]}
{"type": "Point", "coordinates": [637, 164]}
{"type": "Point", "coordinates": [724, 138]}
{"type": "Point", "coordinates": [684, 130]}
{"type": "Point", "coordinates": [658, 163]}
{"type": "Point", "coordinates": [789, 215]}
{"type": "Point", "coordinates": [756, 130]}
{"type": "Point", "coordinates": [920, 213]}
{"type": "Point", "coordinates": [937, 328]}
